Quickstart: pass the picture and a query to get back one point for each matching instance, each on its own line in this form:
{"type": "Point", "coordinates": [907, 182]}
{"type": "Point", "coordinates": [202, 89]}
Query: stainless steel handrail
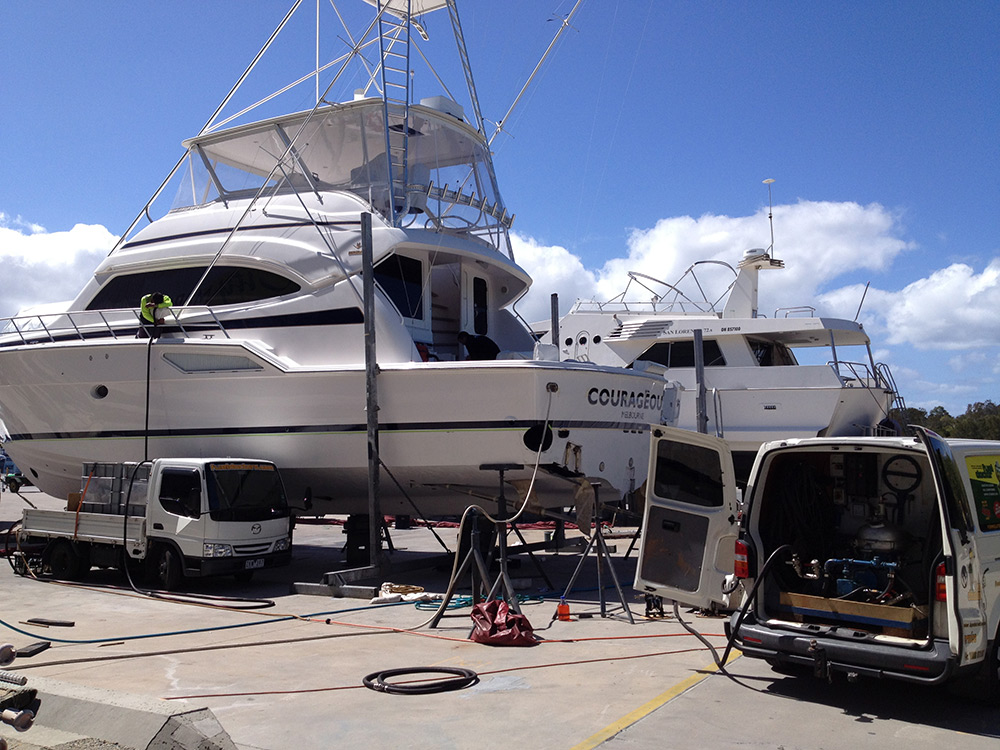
{"type": "Point", "coordinates": [83, 324]}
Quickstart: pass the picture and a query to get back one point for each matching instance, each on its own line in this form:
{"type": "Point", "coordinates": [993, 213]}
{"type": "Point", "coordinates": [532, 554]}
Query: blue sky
{"type": "Point", "coordinates": [642, 146]}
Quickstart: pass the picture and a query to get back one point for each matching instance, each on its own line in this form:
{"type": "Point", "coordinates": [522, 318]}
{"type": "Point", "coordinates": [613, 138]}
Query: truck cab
{"type": "Point", "coordinates": [875, 557]}
{"type": "Point", "coordinates": [215, 517]}
{"type": "Point", "coordinates": [169, 518]}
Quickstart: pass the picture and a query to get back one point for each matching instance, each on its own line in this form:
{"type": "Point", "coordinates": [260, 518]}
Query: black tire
{"type": "Point", "coordinates": [83, 552]}
{"type": "Point", "coordinates": [63, 560]}
{"type": "Point", "coordinates": [167, 572]}
{"type": "Point", "coordinates": [991, 671]}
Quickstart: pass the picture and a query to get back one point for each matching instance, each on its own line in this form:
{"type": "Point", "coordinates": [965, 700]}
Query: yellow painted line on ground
{"type": "Point", "coordinates": [647, 708]}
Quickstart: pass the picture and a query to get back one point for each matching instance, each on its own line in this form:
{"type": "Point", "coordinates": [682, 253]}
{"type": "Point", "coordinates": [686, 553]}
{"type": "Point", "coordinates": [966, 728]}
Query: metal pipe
{"type": "Point", "coordinates": [371, 388]}
{"type": "Point", "coordinates": [699, 370]}
{"type": "Point", "coordinates": [554, 307]}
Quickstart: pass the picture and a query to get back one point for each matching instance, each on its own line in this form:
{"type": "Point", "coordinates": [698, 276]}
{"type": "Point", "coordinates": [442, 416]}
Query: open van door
{"type": "Point", "coordinates": [964, 607]}
{"type": "Point", "coordinates": [689, 526]}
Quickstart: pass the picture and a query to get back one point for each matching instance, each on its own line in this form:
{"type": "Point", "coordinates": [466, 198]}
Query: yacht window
{"type": "Point", "coordinates": [681, 354]}
{"type": "Point", "coordinates": [225, 285]}
{"type": "Point", "coordinates": [401, 279]}
{"type": "Point", "coordinates": [480, 306]}
{"type": "Point", "coordinates": [772, 354]}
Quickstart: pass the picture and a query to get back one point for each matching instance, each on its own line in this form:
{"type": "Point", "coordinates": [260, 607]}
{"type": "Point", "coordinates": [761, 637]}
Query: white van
{"type": "Point", "coordinates": [876, 557]}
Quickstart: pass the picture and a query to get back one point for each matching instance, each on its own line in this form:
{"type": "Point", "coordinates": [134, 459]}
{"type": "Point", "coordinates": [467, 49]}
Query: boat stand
{"type": "Point", "coordinates": [503, 577]}
{"type": "Point", "coordinates": [473, 562]}
{"type": "Point", "coordinates": [502, 527]}
{"type": "Point", "coordinates": [598, 543]}
{"type": "Point", "coordinates": [502, 587]}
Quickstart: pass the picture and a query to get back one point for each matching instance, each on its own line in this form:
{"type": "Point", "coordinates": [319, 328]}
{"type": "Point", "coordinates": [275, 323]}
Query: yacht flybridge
{"type": "Point", "coordinates": [263, 350]}
{"type": "Point", "coordinates": [750, 379]}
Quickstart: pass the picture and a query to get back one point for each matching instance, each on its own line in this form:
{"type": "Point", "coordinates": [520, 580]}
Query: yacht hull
{"type": "Point", "coordinates": [439, 423]}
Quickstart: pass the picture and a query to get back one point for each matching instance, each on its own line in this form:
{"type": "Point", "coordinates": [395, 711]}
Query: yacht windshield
{"type": "Point", "coordinates": [445, 181]}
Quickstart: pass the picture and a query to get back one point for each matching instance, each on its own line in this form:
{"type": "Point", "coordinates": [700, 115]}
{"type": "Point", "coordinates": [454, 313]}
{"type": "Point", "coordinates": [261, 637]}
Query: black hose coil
{"type": "Point", "coordinates": [462, 678]}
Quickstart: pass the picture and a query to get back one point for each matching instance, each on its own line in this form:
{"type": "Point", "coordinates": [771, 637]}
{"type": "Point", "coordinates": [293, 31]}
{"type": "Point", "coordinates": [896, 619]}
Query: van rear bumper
{"type": "Point", "coordinates": [827, 652]}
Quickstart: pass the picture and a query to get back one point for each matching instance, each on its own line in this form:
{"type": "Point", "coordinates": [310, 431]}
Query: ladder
{"type": "Point", "coordinates": [394, 51]}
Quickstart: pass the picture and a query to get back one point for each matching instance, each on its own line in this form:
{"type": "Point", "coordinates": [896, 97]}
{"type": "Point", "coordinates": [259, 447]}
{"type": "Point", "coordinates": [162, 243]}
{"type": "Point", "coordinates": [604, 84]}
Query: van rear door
{"type": "Point", "coordinates": [966, 617]}
{"type": "Point", "coordinates": [689, 525]}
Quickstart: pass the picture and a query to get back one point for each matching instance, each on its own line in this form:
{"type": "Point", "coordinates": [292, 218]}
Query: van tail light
{"type": "Point", "coordinates": [940, 587]}
{"type": "Point", "coordinates": [741, 567]}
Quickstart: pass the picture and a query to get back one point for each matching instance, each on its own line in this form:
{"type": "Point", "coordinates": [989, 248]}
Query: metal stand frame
{"type": "Point", "coordinates": [472, 557]}
{"type": "Point", "coordinates": [503, 578]}
{"type": "Point", "coordinates": [502, 585]}
{"type": "Point", "coordinates": [598, 543]}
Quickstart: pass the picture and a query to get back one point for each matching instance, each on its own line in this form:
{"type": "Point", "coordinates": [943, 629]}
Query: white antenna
{"type": "Point", "coordinates": [770, 215]}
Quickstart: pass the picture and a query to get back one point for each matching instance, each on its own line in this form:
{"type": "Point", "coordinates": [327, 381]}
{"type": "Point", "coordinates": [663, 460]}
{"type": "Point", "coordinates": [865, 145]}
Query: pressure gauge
{"type": "Point", "coordinates": [901, 473]}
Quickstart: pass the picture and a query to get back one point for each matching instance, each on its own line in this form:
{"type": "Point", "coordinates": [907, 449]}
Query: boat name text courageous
{"type": "Point", "coordinates": [644, 400]}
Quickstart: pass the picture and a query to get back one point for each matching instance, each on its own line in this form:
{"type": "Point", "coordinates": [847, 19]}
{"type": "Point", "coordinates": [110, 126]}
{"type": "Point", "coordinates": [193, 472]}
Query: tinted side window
{"type": "Point", "coordinates": [681, 354]}
{"type": "Point", "coordinates": [402, 281]}
{"type": "Point", "coordinates": [689, 474]}
{"type": "Point", "coordinates": [225, 285]}
{"type": "Point", "coordinates": [230, 286]}
{"type": "Point", "coordinates": [123, 292]}
{"type": "Point", "coordinates": [180, 492]}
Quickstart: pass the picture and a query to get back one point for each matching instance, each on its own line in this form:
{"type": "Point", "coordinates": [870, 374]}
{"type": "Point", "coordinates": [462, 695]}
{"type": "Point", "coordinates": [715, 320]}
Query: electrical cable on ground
{"type": "Point", "coordinates": [721, 662]}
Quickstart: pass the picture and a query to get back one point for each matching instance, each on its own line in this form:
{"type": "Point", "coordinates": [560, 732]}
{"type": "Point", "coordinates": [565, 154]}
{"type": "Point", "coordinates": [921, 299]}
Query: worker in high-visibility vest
{"type": "Point", "coordinates": [153, 308]}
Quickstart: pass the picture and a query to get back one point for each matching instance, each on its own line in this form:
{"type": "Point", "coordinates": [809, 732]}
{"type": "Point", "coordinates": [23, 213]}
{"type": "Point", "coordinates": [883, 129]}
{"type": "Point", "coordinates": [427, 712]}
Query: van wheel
{"type": "Point", "coordinates": [167, 568]}
{"type": "Point", "coordinates": [64, 562]}
{"type": "Point", "coordinates": [992, 671]}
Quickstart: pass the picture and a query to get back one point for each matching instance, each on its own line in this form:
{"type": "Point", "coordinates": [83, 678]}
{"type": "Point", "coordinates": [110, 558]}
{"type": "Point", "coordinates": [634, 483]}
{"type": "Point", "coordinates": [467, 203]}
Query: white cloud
{"type": "Point", "coordinates": [952, 308]}
{"type": "Point", "coordinates": [41, 267]}
{"type": "Point", "coordinates": [819, 240]}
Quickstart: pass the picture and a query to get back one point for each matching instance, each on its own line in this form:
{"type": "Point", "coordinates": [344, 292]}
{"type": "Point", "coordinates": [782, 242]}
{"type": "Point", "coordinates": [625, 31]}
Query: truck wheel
{"type": "Point", "coordinates": [64, 562]}
{"type": "Point", "coordinates": [167, 568]}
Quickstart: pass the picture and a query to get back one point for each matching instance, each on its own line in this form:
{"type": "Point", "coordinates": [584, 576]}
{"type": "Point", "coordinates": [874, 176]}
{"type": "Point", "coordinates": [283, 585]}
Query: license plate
{"type": "Point", "coordinates": [254, 564]}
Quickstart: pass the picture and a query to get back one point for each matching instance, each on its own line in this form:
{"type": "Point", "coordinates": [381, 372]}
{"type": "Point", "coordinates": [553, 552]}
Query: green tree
{"type": "Point", "coordinates": [980, 421]}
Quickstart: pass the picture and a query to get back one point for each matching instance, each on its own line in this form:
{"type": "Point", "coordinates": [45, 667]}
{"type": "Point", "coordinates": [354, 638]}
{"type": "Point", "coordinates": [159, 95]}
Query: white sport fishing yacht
{"type": "Point", "coordinates": [753, 380]}
{"type": "Point", "coordinates": [263, 352]}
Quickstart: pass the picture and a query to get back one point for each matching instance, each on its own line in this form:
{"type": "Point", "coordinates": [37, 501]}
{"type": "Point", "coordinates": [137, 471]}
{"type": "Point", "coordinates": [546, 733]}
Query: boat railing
{"type": "Point", "coordinates": [861, 375]}
{"type": "Point", "coordinates": [720, 428]}
{"type": "Point", "coordinates": [80, 325]}
{"type": "Point", "coordinates": [638, 306]}
{"type": "Point", "coordinates": [803, 311]}
{"type": "Point", "coordinates": [665, 297]}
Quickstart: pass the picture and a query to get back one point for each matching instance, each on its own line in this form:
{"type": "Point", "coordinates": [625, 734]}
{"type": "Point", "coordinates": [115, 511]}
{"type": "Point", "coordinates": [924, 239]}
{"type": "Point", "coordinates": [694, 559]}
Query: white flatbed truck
{"type": "Point", "coordinates": [170, 518]}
